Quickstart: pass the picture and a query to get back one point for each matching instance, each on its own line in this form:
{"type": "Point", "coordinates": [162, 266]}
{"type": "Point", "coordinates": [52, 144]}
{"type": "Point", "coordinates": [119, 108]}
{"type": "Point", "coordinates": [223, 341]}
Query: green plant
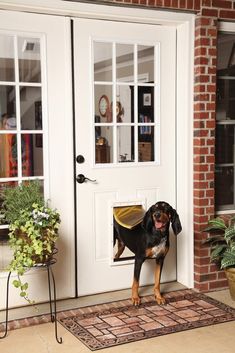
{"type": "Point", "coordinates": [33, 230]}
{"type": "Point", "coordinates": [222, 241]}
{"type": "Point", "coordinates": [32, 238]}
{"type": "Point", "coordinates": [19, 198]}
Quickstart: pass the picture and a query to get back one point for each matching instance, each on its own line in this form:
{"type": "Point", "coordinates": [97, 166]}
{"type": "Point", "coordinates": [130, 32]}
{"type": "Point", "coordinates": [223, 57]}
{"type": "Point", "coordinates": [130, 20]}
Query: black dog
{"type": "Point", "coordinates": [150, 239]}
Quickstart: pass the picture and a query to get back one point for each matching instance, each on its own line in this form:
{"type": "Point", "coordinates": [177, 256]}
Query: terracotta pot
{"type": "Point", "coordinates": [230, 273]}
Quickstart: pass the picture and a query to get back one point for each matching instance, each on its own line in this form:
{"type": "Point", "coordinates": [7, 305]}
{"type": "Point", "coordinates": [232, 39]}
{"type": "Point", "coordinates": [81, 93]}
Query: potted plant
{"type": "Point", "coordinates": [222, 243]}
{"type": "Point", "coordinates": [33, 229]}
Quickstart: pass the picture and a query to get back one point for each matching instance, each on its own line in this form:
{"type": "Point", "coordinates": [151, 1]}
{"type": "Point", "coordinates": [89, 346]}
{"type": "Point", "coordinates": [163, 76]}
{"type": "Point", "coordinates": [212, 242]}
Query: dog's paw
{"type": "Point", "coordinates": [160, 300]}
{"type": "Point", "coordinates": [136, 301]}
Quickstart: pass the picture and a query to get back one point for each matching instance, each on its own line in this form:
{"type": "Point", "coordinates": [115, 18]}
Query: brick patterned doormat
{"type": "Point", "coordinates": [115, 323]}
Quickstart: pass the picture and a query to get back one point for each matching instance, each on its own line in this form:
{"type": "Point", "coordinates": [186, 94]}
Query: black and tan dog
{"type": "Point", "coordinates": [150, 239]}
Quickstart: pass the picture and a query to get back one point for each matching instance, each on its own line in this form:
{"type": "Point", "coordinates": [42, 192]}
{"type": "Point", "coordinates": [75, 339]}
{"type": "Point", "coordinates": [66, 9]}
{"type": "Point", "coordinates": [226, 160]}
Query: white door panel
{"type": "Point", "coordinates": [145, 177]}
{"type": "Point", "coordinates": [53, 34]}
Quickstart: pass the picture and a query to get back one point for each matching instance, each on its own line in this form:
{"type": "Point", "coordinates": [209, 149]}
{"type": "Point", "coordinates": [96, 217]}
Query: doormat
{"type": "Point", "coordinates": [106, 325]}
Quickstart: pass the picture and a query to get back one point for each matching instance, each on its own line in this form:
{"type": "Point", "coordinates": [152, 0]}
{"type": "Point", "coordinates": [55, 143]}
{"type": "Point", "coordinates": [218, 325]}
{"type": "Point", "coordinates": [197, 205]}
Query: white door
{"type": "Point", "coordinates": [35, 96]}
{"type": "Point", "coordinates": [129, 151]}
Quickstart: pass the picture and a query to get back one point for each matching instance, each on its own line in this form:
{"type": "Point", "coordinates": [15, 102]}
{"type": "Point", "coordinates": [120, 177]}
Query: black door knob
{"type": "Point", "coordinates": [80, 159]}
{"type": "Point", "coordinates": [81, 179]}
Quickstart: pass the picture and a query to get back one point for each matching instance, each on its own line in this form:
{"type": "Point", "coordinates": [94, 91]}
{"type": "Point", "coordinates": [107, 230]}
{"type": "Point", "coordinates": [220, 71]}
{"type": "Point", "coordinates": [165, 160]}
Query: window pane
{"type": "Point", "coordinates": [125, 62]}
{"type": "Point", "coordinates": [32, 155]}
{"type": "Point", "coordinates": [125, 104]}
{"type": "Point", "coordinates": [224, 186]}
{"type": "Point", "coordinates": [225, 99]}
{"type": "Point", "coordinates": [125, 147]}
{"type": "Point", "coordinates": [30, 108]}
{"type": "Point", "coordinates": [102, 103]}
{"type": "Point", "coordinates": [146, 143]}
{"type": "Point", "coordinates": [145, 104]}
{"type": "Point", "coordinates": [104, 144]}
{"type": "Point", "coordinates": [102, 61]}
{"type": "Point", "coordinates": [29, 59]}
{"type": "Point", "coordinates": [7, 108]}
{"type": "Point", "coordinates": [8, 155]}
{"type": "Point", "coordinates": [225, 144]}
{"type": "Point", "coordinates": [7, 68]}
{"type": "Point", "coordinates": [145, 63]}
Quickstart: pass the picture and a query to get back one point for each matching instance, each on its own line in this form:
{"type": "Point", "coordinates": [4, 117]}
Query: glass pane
{"type": "Point", "coordinates": [7, 108]}
{"type": "Point", "coordinates": [8, 155]}
{"type": "Point", "coordinates": [125, 104]}
{"type": "Point", "coordinates": [102, 103]}
{"type": "Point", "coordinates": [125, 62]}
{"type": "Point", "coordinates": [146, 143]}
{"type": "Point", "coordinates": [32, 155]}
{"type": "Point", "coordinates": [104, 144]}
{"type": "Point", "coordinates": [224, 144]}
{"type": "Point", "coordinates": [29, 59]}
{"type": "Point", "coordinates": [30, 108]}
{"type": "Point", "coordinates": [145, 63]}
{"type": "Point", "coordinates": [102, 61]}
{"type": "Point", "coordinates": [7, 69]}
{"type": "Point", "coordinates": [224, 186]}
{"type": "Point", "coordinates": [125, 146]}
{"type": "Point", "coordinates": [225, 99]}
{"type": "Point", "coordinates": [145, 104]}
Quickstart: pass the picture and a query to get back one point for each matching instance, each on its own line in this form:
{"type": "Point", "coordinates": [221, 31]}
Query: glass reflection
{"type": "Point", "coordinates": [102, 61]}
{"type": "Point", "coordinates": [124, 98]}
{"type": "Point", "coordinates": [32, 155]}
{"type": "Point", "coordinates": [30, 108]}
{"type": "Point", "coordinates": [145, 104]}
{"type": "Point", "coordinates": [7, 65]}
{"type": "Point", "coordinates": [145, 143]}
{"type": "Point", "coordinates": [103, 144]}
{"type": "Point", "coordinates": [224, 186]}
{"type": "Point", "coordinates": [102, 103]}
{"type": "Point", "coordinates": [145, 63]}
{"type": "Point", "coordinates": [29, 59]}
{"type": "Point", "coordinates": [8, 155]}
{"type": "Point", "coordinates": [7, 108]}
{"type": "Point", "coordinates": [125, 146]}
{"type": "Point", "coordinates": [125, 62]}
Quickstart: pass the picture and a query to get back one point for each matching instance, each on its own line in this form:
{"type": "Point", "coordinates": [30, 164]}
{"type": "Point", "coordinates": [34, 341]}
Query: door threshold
{"type": "Point", "coordinates": [71, 303]}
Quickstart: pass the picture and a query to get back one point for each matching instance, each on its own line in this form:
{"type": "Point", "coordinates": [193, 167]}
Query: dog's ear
{"type": "Point", "coordinates": [175, 222]}
{"type": "Point", "coordinates": [147, 222]}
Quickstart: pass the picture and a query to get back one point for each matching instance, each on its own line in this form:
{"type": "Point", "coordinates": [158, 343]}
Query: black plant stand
{"type": "Point", "coordinates": [52, 301]}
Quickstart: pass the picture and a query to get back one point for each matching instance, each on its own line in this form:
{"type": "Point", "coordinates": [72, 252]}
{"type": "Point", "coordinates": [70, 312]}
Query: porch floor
{"type": "Point", "coordinates": [40, 338]}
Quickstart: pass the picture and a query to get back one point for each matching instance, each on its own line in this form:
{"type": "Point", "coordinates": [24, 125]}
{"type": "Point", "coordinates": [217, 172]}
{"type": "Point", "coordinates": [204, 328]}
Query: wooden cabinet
{"type": "Point", "coordinates": [102, 154]}
{"type": "Point", "coordinates": [145, 151]}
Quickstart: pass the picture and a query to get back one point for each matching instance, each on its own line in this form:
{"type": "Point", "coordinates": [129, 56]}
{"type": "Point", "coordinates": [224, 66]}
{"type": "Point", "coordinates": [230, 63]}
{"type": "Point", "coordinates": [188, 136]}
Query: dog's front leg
{"type": "Point", "coordinates": [135, 286]}
{"type": "Point", "coordinates": [158, 270]}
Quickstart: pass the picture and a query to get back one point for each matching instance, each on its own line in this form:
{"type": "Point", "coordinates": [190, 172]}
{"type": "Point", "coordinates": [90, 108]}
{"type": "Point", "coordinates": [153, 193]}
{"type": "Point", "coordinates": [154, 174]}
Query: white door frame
{"type": "Point", "coordinates": [184, 24]}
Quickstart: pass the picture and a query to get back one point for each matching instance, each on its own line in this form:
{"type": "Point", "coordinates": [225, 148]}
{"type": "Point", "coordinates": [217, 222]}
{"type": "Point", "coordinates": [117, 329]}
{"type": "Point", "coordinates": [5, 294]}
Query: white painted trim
{"type": "Point", "coordinates": [97, 11]}
{"type": "Point", "coordinates": [184, 157]}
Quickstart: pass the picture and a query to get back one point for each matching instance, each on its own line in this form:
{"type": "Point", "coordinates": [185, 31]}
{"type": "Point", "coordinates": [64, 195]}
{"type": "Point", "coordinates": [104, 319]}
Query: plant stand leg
{"type": "Point", "coordinates": [7, 307]}
{"type": "Point", "coordinates": [53, 316]}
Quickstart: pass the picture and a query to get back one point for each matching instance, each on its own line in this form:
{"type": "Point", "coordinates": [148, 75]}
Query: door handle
{"type": "Point", "coordinates": [80, 178]}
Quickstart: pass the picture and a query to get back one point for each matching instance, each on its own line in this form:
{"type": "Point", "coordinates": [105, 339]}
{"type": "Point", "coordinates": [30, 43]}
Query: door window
{"type": "Point", "coordinates": [126, 102]}
{"type": "Point", "coordinates": [21, 118]}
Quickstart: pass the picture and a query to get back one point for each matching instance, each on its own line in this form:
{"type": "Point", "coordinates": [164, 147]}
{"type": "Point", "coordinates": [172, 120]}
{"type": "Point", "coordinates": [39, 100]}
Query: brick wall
{"type": "Point", "coordinates": [208, 12]}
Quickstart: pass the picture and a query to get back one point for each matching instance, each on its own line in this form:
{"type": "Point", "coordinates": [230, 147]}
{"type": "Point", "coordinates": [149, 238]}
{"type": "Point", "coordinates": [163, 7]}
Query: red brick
{"type": "Point", "coordinates": [174, 3]}
{"type": "Point", "coordinates": [210, 12]}
{"type": "Point", "coordinates": [227, 14]}
{"type": "Point", "coordinates": [197, 4]}
{"type": "Point", "coordinates": [167, 3]}
{"type": "Point", "coordinates": [218, 284]}
{"type": "Point", "coordinates": [159, 2]}
{"type": "Point", "coordinates": [222, 275]}
{"type": "Point", "coordinates": [200, 219]}
{"type": "Point", "coordinates": [200, 51]}
{"type": "Point", "coordinates": [200, 168]}
{"type": "Point", "coordinates": [202, 41]}
{"type": "Point", "coordinates": [222, 4]}
{"type": "Point", "coordinates": [211, 88]}
{"type": "Point", "coordinates": [201, 202]}
{"type": "Point", "coordinates": [206, 3]}
{"type": "Point", "coordinates": [189, 4]}
{"type": "Point", "coordinates": [212, 51]}
{"type": "Point", "coordinates": [182, 4]}
{"type": "Point", "coordinates": [198, 193]}
{"type": "Point", "coordinates": [199, 106]}
{"type": "Point", "coordinates": [151, 2]}
{"type": "Point", "coordinates": [212, 32]}
{"type": "Point", "coordinates": [202, 287]}
{"type": "Point", "coordinates": [201, 253]}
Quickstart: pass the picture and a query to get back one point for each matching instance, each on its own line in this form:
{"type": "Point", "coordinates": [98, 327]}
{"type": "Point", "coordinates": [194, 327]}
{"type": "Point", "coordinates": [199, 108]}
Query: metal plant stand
{"type": "Point", "coordinates": [52, 301]}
